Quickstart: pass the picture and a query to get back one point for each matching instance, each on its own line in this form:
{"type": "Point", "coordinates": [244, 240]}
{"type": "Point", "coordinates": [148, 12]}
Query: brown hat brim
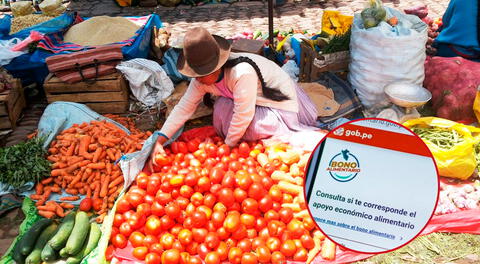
{"type": "Point", "coordinates": [224, 53]}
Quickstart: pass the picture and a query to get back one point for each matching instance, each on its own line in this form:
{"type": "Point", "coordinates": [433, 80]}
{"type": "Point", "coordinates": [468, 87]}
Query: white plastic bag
{"type": "Point", "coordinates": [385, 54]}
{"type": "Point", "coordinates": [292, 69]}
{"type": "Point", "coordinates": [148, 81]}
{"type": "Point", "coordinates": [6, 54]}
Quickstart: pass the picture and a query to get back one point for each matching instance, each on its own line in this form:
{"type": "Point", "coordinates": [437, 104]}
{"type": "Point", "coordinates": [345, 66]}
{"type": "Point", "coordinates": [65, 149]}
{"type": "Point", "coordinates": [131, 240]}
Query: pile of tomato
{"type": "Point", "coordinates": [207, 202]}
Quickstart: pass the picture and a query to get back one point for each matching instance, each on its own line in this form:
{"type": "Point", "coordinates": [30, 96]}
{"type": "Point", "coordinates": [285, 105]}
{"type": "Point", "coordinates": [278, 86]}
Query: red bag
{"type": "Point", "coordinates": [87, 65]}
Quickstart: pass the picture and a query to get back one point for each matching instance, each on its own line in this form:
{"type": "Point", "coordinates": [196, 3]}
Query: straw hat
{"type": "Point", "coordinates": [203, 53]}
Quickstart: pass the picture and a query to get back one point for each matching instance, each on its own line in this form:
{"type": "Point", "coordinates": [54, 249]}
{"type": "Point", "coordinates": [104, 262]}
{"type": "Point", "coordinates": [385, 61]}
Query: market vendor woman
{"type": "Point", "coordinates": [256, 98]}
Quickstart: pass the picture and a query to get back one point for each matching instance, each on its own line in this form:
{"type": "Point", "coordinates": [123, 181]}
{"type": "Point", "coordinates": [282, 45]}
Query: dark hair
{"type": "Point", "coordinates": [268, 92]}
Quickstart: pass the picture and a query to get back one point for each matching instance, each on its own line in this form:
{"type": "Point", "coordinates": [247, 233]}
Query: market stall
{"type": "Point", "coordinates": [88, 196]}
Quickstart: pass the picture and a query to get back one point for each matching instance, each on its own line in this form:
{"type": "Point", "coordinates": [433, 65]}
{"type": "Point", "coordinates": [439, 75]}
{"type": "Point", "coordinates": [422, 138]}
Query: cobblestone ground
{"type": "Point", "coordinates": [229, 19]}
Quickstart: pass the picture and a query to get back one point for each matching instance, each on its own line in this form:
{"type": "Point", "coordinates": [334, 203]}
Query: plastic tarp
{"type": "Point", "coordinates": [31, 67]}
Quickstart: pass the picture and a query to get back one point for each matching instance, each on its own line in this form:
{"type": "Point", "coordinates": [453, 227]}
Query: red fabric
{"type": "Point", "coordinates": [200, 133]}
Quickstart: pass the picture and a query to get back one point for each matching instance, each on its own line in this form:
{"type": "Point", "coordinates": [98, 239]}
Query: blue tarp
{"type": "Point", "coordinates": [31, 67]}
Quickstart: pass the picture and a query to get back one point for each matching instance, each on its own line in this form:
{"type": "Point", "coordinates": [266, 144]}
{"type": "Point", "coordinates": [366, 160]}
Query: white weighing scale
{"type": "Point", "coordinates": [406, 97]}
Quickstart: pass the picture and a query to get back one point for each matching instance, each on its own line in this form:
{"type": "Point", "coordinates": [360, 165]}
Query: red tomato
{"type": "Point", "coordinates": [226, 197]}
{"type": "Point", "coordinates": [150, 240]}
{"type": "Point", "coordinates": [223, 150]}
{"type": "Point", "coordinates": [307, 241]}
{"type": "Point", "coordinates": [240, 195]}
{"type": "Point", "coordinates": [97, 204]}
{"type": "Point", "coordinates": [232, 222]}
{"type": "Point", "coordinates": [109, 252]}
{"type": "Point", "coordinates": [263, 254]}
{"type": "Point", "coordinates": [258, 242]}
{"type": "Point", "coordinates": [250, 206]}
{"type": "Point", "coordinates": [199, 234]}
{"type": "Point", "coordinates": [192, 145]}
{"type": "Point", "coordinates": [156, 248]}
{"type": "Point", "coordinates": [222, 251]}
{"type": "Point", "coordinates": [235, 166]}
{"type": "Point", "coordinates": [153, 225]}
{"type": "Point", "coordinates": [199, 219]}
{"type": "Point", "coordinates": [172, 210]}
{"type": "Point", "coordinates": [243, 181]}
{"type": "Point", "coordinates": [185, 237]}
{"type": "Point", "coordinates": [163, 198]}
{"type": "Point", "coordinates": [286, 214]}
{"type": "Point", "coordinates": [245, 245]}
{"type": "Point", "coordinates": [278, 258]}
{"type": "Point", "coordinates": [271, 215]}
{"type": "Point", "coordinates": [167, 240]}
{"type": "Point", "coordinates": [202, 250]}
{"type": "Point", "coordinates": [216, 175]}
{"type": "Point", "coordinates": [256, 191]}
{"type": "Point", "coordinates": [171, 256]}
{"type": "Point", "coordinates": [191, 179]}
{"type": "Point", "coordinates": [217, 218]}
{"type": "Point", "coordinates": [166, 222]}
{"type": "Point", "coordinates": [212, 258]}
{"type": "Point", "coordinates": [135, 199]}
{"type": "Point", "coordinates": [136, 220]}
{"type": "Point", "coordinates": [211, 240]}
{"type": "Point", "coordinates": [123, 205]}
{"type": "Point", "coordinates": [136, 239]}
{"type": "Point", "coordinates": [144, 209]}
{"type": "Point", "coordinates": [209, 200]}
{"type": "Point", "coordinates": [157, 209]}
{"type": "Point", "coordinates": [194, 260]}
{"type": "Point", "coordinates": [153, 186]}
{"type": "Point", "coordinates": [249, 258]}
{"type": "Point", "coordinates": [125, 229]}
{"type": "Point", "coordinates": [119, 241]}
{"type": "Point", "coordinates": [235, 255]}
{"type": "Point", "coordinates": [85, 205]}
{"type": "Point", "coordinates": [288, 248]}
{"type": "Point", "coordinates": [295, 227]}
{"type": "Point", "coordinates": [204, 184]}
{"type": "Point", "coordinates": [243, 150]}
{"type": "Point", "coordinates": [248, 220]}
{"type": "Point", "coordinates": [118, 219]}
{"type": "Point", "coordinates": [301, 255]}
{"type": "Point", "coordinates": [265, 204]}
{"type": "Point", "coordinates": [153, 258]}
{"type": "Point", "coordinates": [223, 234]}
{"type": "Point", "coordinates": [273, 244]}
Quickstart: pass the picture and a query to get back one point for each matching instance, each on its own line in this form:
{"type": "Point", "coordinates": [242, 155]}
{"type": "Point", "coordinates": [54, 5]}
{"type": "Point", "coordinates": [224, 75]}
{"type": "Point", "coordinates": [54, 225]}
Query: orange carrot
{"type": "Point", "coordinates": [57, 172]}
{"type": "Point", "coordinates": [36, 197]}
{"type": "Point", "coordinates": [53, 150]}
{"type": "Point", "coordinates": [77, 178]}
{"type": "Point", "coordinates": [92, 147]}
{"type": "Point", "coordinates": [71, 191]}
{"type": "Point", "coordinates": [103, 155]}
{"type": "Point", "coordinates": [112, 190]}
{"type": "Point", "coordinates": [96, 155]}
{"type": "Point", "coordinates": [46, 214]}
{"type": "Point", "coordinates": [115, 182]}
{"type": "Point", "coordinates": [74, 160]}
{"type": "Point", "coordinates": [58, 165]}
{"type": "Point", "coordinates": [96, 190]}
{"type": "Point", "coordinates": [40, 202]}
{"type": "Point", "coordinates": [70, 169]}
{"type": "Point", "coordinates": [111, 154]}
{"type": "Point", "coordinates": [109, 168]}
{"type": "Point", "coordinates": [39, 188]}
{"type": "Point", "coordinates": [69, 198]}
{"type": "Point", "coordinates": [46, 194]}
{"type": "Point", "coordinates": [88, 191]}
{"type": "Point", "coordinates": [46, 181]}
{"type": "Point", "coordinates": [83, 147]}
{"type": "Point", "coordinates": [118, 155]}
{"type": "Point", "coordinates": [71, 149]}
{"type": "Point", "coordinates": [104, 189]}
{"type": "Point", "coordinates": [100, 218]}
{"type": "Point", "coordinates": [56, 189]}
{"type": "Point", "coordinates": [78, 185]}
{"type": "Point", "coordinates": [59, 211]}
{"type": "Point", "coordinates": [97, 166]}
{"type": "Point", "coordinates": [52, 158]}
{"type": "Point", "coordinates": [67, 205]}
{"type": "Point", "coordinates": [84, 163]}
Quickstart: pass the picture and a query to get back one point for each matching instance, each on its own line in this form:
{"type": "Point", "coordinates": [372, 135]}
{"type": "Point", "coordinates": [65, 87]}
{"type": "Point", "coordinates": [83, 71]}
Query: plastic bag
{"type": "Point", "coordinates": [458, 162]}
{"type": "Point", "coordinates": [375, 60]}
{"type": "Point", "coordinates": [22, 8]}
{"type": "Point", "coordinates": [6, 54]}
{"type": "Point", "coordinates": [292, 69]}
{"type": "Point", "coordinates": [148, 81]}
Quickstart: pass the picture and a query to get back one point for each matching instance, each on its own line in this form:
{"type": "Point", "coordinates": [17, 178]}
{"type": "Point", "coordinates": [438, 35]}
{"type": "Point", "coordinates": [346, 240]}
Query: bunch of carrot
{"type": "Point", "coordinates": [84, 159]}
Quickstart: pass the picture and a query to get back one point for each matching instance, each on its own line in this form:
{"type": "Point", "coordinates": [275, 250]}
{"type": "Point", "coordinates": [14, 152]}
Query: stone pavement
{"type": "Point", "coordinates": [229, 19]}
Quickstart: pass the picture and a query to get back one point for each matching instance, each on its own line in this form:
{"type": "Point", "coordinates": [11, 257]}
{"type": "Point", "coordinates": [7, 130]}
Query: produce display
{"type": "Point", "coordinates": [83, 158]}
{"type": "Point", "coordinates": [71, 240]}
{"type": "Point", "coordinates": [374, 14]}
{"type": "Point", "coordinates": [207, 201]}
{"type": "Point", "coordinates": [455, 197]}
{"type": "Point", "coordinates": [453, 83]}
{"type": "Point", "coordinates": [443, 138]}
{"type": "Point", "coordinates": [23, 163]}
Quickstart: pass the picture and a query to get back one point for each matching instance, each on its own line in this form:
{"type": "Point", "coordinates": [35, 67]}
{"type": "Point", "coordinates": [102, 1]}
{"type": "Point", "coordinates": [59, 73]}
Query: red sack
{"type": "Point", "coordinates": [85, 65]}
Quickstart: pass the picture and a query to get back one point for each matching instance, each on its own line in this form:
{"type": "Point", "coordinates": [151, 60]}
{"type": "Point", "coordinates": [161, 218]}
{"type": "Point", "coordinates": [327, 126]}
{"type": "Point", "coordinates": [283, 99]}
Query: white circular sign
{"type": "Point", "coordinates": [371, 185]}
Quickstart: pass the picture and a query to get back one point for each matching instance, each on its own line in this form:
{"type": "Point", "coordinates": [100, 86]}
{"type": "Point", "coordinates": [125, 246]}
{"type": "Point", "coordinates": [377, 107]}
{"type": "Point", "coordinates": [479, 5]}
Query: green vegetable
{"type": "Point", "coordinates": [23, 163]}
{"type": "Point", "coordinates": [338, 43]}
{"type": "Point", "coordinates": [25, 246]}
{"type": "Point", "coordinates": [441, 137]}
{"type": "Point", "coordinates": [48, 254]}
{"type": "Point", "coordinates": [63, 253]}
{"type": "Point", "coordinates": [79, 233]}
{"type": "Point", "coordinates": [35, 255]}
{"type": "Point", "coordinates": [89, 245]}
{"type": "Point", "coordinates": [60, 239]}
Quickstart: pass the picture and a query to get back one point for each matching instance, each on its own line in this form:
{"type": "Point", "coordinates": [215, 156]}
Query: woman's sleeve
{"type": "Point", "coordinates": [244, 99]}
{"type": "Point", "coordinates": [184, 109]}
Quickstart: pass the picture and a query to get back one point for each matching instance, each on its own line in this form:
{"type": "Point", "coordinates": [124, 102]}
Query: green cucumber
{"type": "Point", "coordinates": [17, 255]}
{"type": "Point", "coordinates": [35, 256]}
{"type": "Point", "coordinates": [63, 253]}
{"type": "Point", "coordinates": [26, 244]}
{"type": "Point", "coordinates": [79, 233]}
{"type": "Point", "coordinates": [49, 254]}
{"type": "Point", "coordinates": [90, 244]}
{"type": "Point", "coordinates": [60, 239]}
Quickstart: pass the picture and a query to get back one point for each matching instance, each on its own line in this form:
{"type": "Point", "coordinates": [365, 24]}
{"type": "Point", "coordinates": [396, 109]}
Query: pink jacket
{"type": "Point", "coordinates": [243, 81]}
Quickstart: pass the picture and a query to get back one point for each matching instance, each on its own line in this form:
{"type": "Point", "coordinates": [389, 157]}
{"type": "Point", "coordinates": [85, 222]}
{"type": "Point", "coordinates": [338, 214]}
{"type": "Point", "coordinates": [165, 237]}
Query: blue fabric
{"type": "Point", "coordinates": [460, 28]}
{"type": "Point", "coordinates": [170, 66]}
{"type": "Point", "coordinates": [32, 68]}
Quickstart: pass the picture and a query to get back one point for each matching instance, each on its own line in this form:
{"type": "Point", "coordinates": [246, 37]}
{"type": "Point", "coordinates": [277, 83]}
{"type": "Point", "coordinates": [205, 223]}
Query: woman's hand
{"type": "Point", "coordinates": [157, 149]}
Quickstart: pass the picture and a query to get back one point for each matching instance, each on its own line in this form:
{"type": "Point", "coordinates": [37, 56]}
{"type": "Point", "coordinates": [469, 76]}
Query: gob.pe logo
{"type": "Point", "coordinates": [344, 166]}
